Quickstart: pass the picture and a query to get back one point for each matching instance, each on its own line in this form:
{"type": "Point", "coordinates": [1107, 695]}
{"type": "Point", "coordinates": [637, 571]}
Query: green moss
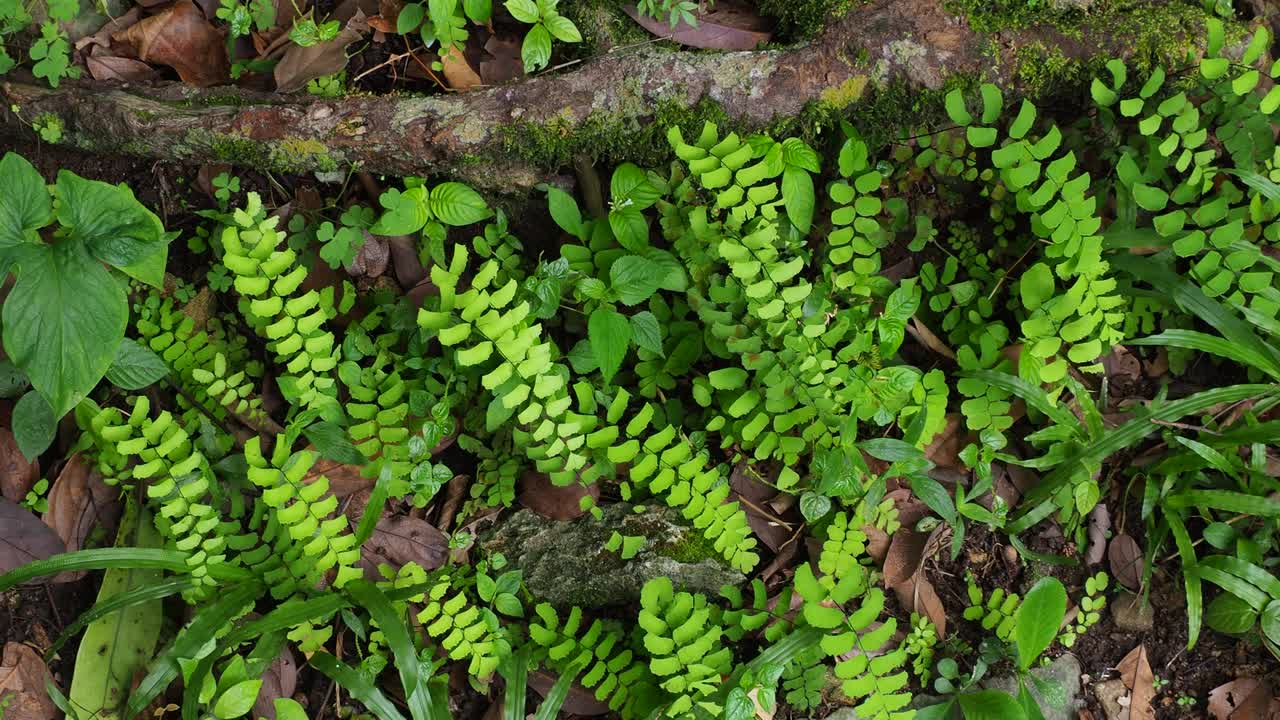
{"type": "Point", "coordinates": [297, 154]}
{"type": "Point", "coordinates": [802, 19]}
{"type": "Point", "coordinates": [693, 547]}
{"type": "Point", "coordinates": [1044, 70]}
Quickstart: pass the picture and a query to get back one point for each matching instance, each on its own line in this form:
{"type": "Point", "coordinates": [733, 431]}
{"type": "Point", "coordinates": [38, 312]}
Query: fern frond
{"type": "Point", "coordinates": [609, 668]}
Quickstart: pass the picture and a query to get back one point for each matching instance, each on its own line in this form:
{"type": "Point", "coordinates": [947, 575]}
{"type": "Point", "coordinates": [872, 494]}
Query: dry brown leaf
{"type": "Point", "coordinates": [23, 538]}
{"type": "Point", "coordinates": [372, 257]}
{"type": "Point", "coordinates": [1125, 556]}
{"type": "Point", "coordinates": [405, 261]}
{"type": "Point", "coordinates": [300, 65]}
{"type": "Point", "coordinates": [504, 63]}
{"type": "Point", "coordinates": [183, 39]}
{"type": "Point", "coordinates": [927, 338]}
{"type": "Point", "coordinates": [344, 480]}
{"type": "Point", "coordinates": [22, 684]}
{"type": "Point", "coordinates": [580, 701]}
{"type": "Point", "coordinates": [906, 553]}
{"type": "Point", "coordinates": [918, 595]}
{"type": "Point", "coordinates": [279, 681]}
{"type": "Point", "coordinates": [1243, 699]}
{"type": "Point", "coordinates": [80, 501]}
{"type": "Point", "coordinates": [1136, 673]}
{"type": "Point", "coordinates": [108, 67]}
{"type": "Point", "coordinates": [1121, 365]}
{"type": "Point", "coordinates": [102, 38]}
{"type": "Point", "coordinates": [458, 71]}
{"type": "Point", "coordinates": [944, 450]}
{"type": "Point", "coordinates": [455, 493]}
{"type": "Point", "coordinates": [730, 25]}
{"type": "Point", "coordinates": [1099, 526]}
{"type": "Point", "coordinates": [400, 540]}
{"type": "Point", "coordinates": [539, 494]}
{"type": "Point", "coordinates": [17, 475]}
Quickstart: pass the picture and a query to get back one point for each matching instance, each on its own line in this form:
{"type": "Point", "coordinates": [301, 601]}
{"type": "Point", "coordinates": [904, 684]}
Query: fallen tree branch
{"type": "Point", "coordinates": [468, 135]}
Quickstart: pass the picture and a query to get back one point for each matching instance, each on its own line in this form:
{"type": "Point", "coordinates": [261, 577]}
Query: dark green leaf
{"type": "Point", "coordinates": [1038, 618]}
{"type": "Point", "coordinates": [332, 441]}
{"type": "Point", "coordinates": [107, 219]}
{"type": "Point", "coordinates": [33, 424]}
{"type": "Point", "coordinates": [1229, 614]}
{"type": "Point", "coordinates": [990, 705]}
{"type": "Point", "coordinates": [635, 278]}
{"type": "Point", "coordinates": [646, 332]}
{"type": "Point", "coordinates": [610, 334]}
{"type": "Point", "coordinates": [931, 493]}
{"type": "Point", "coordinates": [135, 367]}
{"type": "Point", "coordinates": [25, 204]}
{"type": "Point", "coordinates": [453, 203]}
{"type": "Point", "coordinates": [798, 197]}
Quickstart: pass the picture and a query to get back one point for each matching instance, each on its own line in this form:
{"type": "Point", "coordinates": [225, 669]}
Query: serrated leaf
{"type": "Point", "coordinates": [647, 333]}
{"type": "Point", "coordinates": [610, 334]}
{"type": "Point", "coordinates": [135, 367]}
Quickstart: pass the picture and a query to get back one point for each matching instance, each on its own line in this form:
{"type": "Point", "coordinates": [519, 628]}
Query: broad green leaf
{"type": "Point", "coordinates": [564, 210]}
{"type": "Point", "coordinates": [536, 50]}
{"type": "Point", "coordinates": [610, 334]}
{"type": "Point", "coordinates": [33, 424]}
{"type": "Point", "coordinates": [453, 203]}
{"type": "Point", "coordinates": [113, 226]}
{"type": "Point", "coordinates": [1150, 198]}
{"type": "Point", "coordinates": [990, 705]}
{"type": "Point", "coordinates": [635, 278]}
{"type": "Point", "coordinates": [1229, 614]}
{"type": "Point", "coordinates": [135, 367]}
{"type": "Point", "coordinates": [117, 647]}
{"type": "Point", "coordinates": [931, 493]}
{"type": "Point", "coordinates": [150, 269]}
{"type": "Point", "coordinates": [814, 506]}
{"type": "Point", "coordinates": [288, 709]}
{"type": "Point", "coordinates": [1036, 286]}
{"type": "Point", "coordinates": [956, 110]}
{"type": "Point", "coordinates": [410, 18]}
{"type": "Point", "coordinates": [739, 706]}
{"type": "Point", "coordinates": [526, 11]}
{"type": "Point", "coordinates": [646, 332]}
{"type": "Point", "coordinates": [1271, 621]}
{"type": "Point", "coordinates": [63, 321]}
{"type": "Point", "coordinates": [333, 443]}
{"type": "Point", "coordinates": [630, 187]}
{"type": "Point", "coordinates": [1038, 618]}
{"type": "Point", "coordinates": [630, 228]}
{"type": "Point", "coordinates": [798, 197]}
{"type": "Point", "coordinates": [25, 204]}
{"type": "Point", "coordinates": [563, 29]}
{"type": "Point", "coordinates": [237, 700]}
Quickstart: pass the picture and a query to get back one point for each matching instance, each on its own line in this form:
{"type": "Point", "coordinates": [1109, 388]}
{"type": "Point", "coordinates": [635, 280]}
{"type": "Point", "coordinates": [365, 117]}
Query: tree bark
{"type": "Point", "coordinates": [469, 135]}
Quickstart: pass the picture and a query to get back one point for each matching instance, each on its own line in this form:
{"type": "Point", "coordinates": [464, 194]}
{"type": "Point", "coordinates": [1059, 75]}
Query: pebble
{"type": "Point", "coordinates": [1132, 614]}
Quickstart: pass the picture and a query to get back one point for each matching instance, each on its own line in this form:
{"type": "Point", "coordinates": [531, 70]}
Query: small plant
{"type": "Point", "coordinates": [36, 499]}
{"type": "Point", "coordinates": [49, 126]}
{"type": "Point", "coordinates": [673, 11]}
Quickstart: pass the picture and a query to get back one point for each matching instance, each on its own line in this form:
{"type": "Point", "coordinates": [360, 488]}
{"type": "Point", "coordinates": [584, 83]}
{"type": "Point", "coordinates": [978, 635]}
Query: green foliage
{"type": "Point", "coordinates": [687, 655]}
{"type": "Point", "coordinates": [996, 612]}
{"type": "Point", "coordinates": [607, 666]}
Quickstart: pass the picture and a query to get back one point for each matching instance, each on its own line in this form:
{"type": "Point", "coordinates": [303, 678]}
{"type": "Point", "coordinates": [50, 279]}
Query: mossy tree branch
{"type": "Point", "coordinates": [507, 137]}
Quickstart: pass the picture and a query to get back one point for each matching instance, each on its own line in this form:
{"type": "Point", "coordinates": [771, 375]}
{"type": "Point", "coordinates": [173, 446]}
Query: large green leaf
{"type": "Point", "coordinates": [990, 705]}
{"type": "Point", "coordinates": [135, 366]}
{"type": "Point", "coordinates": [107, 219]}
{"type": "Point", "coordinates": [24, 203]}
{"type": "Point", "coordinates": [1038, 618]}
{"type": "Point", "coordinates": [456, 204]}
{"type": "Point", "coordinates": [33, 424]}
{"type": "Point", "coordinates": [635, 278]}
{"type": "Point", "coordinates": [118, 646]}
{"type": "Point", "coordinates": [610, 334]}
{"type": "Point", "coordinates": [63, 321]}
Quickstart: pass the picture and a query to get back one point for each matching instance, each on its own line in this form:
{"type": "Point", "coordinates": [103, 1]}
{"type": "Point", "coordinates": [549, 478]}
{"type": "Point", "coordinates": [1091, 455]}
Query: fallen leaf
{"type": "Point", "coordinates": [504, 62]}
{"type": "Point", "coordinates": [1099, 526]}
{"type": "Point", "coordinates": [458, 71]}
{"type": "Point", "coordinates": [921, 332]}
{"type": "Point", "coordinates": [1121, 365]}
{"type": "Point", "coordinates": [344, 480]}
{"type": "Point", "coordinates": [454, 495]}
{"type": "Point", "coordinates": [108, 67]}
{"type": "Point", "coordinates": [23, 538]}
{"type": "Point", "coordinates": [22, 684]}
{"type": "Point", "coordinates": [1125, 557]}
{"type": "Point", "coordinates": [371, 259]}
{"type": "Point", "coordinates": [183, 39]}
{"type": "Point", "coordinates": [102, 38]}
{"type": "Point", "coordinates": [300, 65]}
{"type": "Point", "coordinates": [80, 501]}
{"type": "Point", "coordinates": [383, 24]}
{"type": "Point", "coordinates": [1136, 673]}
{"type": "Point", "coordinates": [405, 261]}
{"type": "Point", "coordinates": [399, 540]}
{"type": "Point", "coordinates": [279, 681]}
{"type": "Point", "coordinates": [1243, 699]}
{"type": "Point", "coordinates": [877, 543]}
{"type": "Point", "coordinates": [906, 553]}
{"type": "Point", "coordinates": [540, 495]}
{"type": "Point", "coordinates": [580, 701]}
{"type": "Point", "coordinates": [917, 594]}
{"type": "Point", "coordinates": [944, 450]}
{"type": "Point", "coordinates": [17, 475]}
{"type": "Point", "coordinates": [731, 25]}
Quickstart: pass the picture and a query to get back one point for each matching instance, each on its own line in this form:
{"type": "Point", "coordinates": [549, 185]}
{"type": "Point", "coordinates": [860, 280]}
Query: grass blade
{"type": "Point", "coordinates": [1190, 580]}
{"type": "Point", "coordinates": [356, 683]}
{"type": "Point", "coordinates": [101, 559]}
{"type": "Point", "coordinates": [1204, 342]}
{"type": "Point", "coordinates": [515, 670]}
{"type": "Point", "coordinates": [550, 707]}
{"type": "Point", "coordinates": [392, 625]}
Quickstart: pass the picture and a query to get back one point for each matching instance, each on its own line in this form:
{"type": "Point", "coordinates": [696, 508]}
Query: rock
{"type": "Point", "coordinates": [1064, 672]}
{"type": "Point", "coordinates": [566, 563]}
{"type": "Point", "coordinates": [1111, 694]}
{"type": "Point", "coordinates": [1083, 5]}
{"type": "Point", "coordinates": [1131, 614]}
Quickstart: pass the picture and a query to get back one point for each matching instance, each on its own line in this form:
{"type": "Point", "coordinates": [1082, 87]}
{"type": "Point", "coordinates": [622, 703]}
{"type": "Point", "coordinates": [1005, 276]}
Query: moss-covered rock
{"type": "Point", "coordinates": [566, 563]}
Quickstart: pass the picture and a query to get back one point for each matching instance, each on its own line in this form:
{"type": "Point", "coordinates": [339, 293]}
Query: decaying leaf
{"type": "Point", "coordinates": [1120, 365]}
{"type": "Point", "coordinates": [279, 681]}
{"type": "Point", "coordinates": [371, 259]}
{"type": "Point", "coordinates": [1099, 526]}
{"type": "Point", "coordinates": [1243, 699]}
{"type": "Point", "coordinates": [107, 67]}
{"type": "Point", "coordinates": [17, 474]}
{"type": "Point", "coordinates": [504, 62]}
{"type": "Point", "coordinates": [183, 39]}
{"type": "Point", "coordinates": [458, 71]}
{"type": "Point", "coordinates": [540, 495]}
{"type": "Point", "coordinates": [730, 25]}
{"type": "Point", "coordinates": [300, 65]}
{"type": "Point", "coordinates": [1135, 671]}
{"type": "Point", "coordinates": [23, 538]}
{"type": "Point", "coordinates": [79, 502]}
{"type": "Point", "coordinates": [917, 594]}
{"type": "Point", "coordinates": [344, 480]}
{"type": "Point", "coordinates": [906, 553]}
{"type": "Point", "coordinates": [102, 38]}
{"type": "Point", "coordinates": [1125, 558]}
{"type": "Point", "coordinates": [921, 332]}
{"type": "Point", "coordinates": [22, 689]}
{"type": "Point", "coordinates": [945, 449]}
{"type": "Point", "coordinates": [399, 540]}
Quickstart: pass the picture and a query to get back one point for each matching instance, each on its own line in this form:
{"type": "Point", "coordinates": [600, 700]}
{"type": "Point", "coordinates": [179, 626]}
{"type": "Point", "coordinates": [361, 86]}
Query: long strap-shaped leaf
{"type": "Point", "coordinates": [515, 670]}
{"type": "Point", "coordinates": [1130, 433]}
{"type": "Point", "coordinates": [356, 683]}
{"type": "Point", "coordinates": [189, 642]}
{"type": "Point", "coordinates": [100, 559]}
{"type": "Point", "coordinates": [392, 625]}
{"type": "Point", "coordinates": [550, 707]}
{"type": "Point", "coordinates": [1204, 342]}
